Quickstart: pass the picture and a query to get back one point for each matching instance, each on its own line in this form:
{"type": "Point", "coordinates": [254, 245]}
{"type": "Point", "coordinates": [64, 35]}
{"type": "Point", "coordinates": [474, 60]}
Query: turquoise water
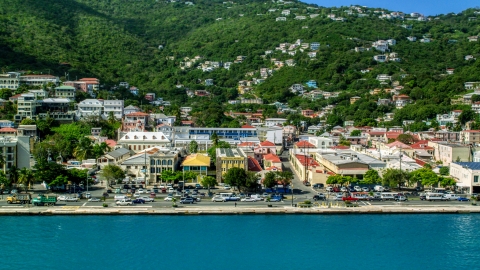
{"type": "Point", "coordinates": [241, 242]}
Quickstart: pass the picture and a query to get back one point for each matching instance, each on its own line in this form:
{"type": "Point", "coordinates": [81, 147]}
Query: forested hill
{"type": "Point", "coordinates": [145, 42]}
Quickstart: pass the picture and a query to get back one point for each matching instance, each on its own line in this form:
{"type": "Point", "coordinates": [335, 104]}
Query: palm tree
{"type": "Point", "coordinates": [83, 149]}
{"type": "Point", "coordinates": [26, 177]}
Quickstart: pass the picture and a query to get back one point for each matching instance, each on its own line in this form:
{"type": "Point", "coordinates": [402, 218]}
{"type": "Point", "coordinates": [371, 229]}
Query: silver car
{"type": "Point", "coordinates": [218, 199]}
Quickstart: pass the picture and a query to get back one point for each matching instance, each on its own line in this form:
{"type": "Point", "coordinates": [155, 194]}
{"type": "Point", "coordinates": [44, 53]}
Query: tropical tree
{"type": "Point", "coordinates": [186, 175]}
{"type": "Point", "coordinates": [112, 173]}
{"type": "Point", "coordinates": [236, 177]}
{"type": "Point", "coordinates": [5, 182]}
{"type": "Point", "coordinates": [212, 151]}
{"type": "Point", "coordinates": [99, 150]}
{"type": "Point", "coordinates": [214, 139]}
{"type": "Point", "coordinates": [26, 177]}
{"type": "Point", "coordinates": [209, 181]}
{"type": "Point", "coordinates": [270, 179]}
{"type": "Point", "coordinates": [405, 138]}
{"type": "Point", "coordinates": [371, 177]}
{"type": "Point", "coordinates": [445, 170]}
{"type": "Point", "coordinates": [193, 147]}
{"type": "Point", "coordinates": [356, 132]}
{"type": "Point", "coordinates": [84, 149]}
{"type": "Point", "coordinates": [447, 182]}
{"type": "Point", "coordinates": [395, 177]}
{"type": "Point", "coordinates": [285, 177]}
{"type": "Point", "coordinates": [13, 173]}
{"type": "Point", "coordinates": [425, 176]}
{"type": "Point", "coordinates": [251, 182]}
{"type": "Point", "coordinates": [335, 180]}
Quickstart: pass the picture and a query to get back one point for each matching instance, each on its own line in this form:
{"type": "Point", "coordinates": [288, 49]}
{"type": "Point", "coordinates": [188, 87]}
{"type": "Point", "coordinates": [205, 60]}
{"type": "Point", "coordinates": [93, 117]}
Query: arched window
{"type": "Point", "coordinates": [164, 162]}
{"type": "Point", "coordinates": [170, 162]}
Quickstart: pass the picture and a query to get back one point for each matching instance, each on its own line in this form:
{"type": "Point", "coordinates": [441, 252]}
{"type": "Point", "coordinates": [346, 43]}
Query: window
{"type": "Point", "coordinates": [475, 179]}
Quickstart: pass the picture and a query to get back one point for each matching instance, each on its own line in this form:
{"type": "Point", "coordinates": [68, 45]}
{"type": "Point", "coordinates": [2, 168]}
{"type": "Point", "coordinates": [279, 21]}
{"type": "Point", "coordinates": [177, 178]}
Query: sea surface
{"type": "Point", "coordinates": [241, 242]}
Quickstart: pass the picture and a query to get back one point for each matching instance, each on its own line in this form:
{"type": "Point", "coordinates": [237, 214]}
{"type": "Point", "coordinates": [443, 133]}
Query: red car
{"type": "Point", "coordinates": [336, 189]}
{"type": "Point", "coordinates": [350, 199]}
{"type": "Point", "coordinates": [153, 195]}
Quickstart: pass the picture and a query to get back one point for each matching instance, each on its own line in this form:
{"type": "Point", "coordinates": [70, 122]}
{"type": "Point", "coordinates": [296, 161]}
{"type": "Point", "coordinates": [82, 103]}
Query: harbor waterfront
{"type": "Point", "coordinates": [241, 241]}
{"type": "Point", "coordinates": [233, 210]}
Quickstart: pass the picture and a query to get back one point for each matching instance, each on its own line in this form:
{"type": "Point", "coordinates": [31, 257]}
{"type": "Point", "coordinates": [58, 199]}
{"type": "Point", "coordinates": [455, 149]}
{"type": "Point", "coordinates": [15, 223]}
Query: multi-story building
{"type": "Point", "coordinates": [449, 152]}
{"type": "Point", "coordinates": [15, 151]}
{"type": "Point", "coordinates": [39, 80]}
{"type": "Point", "coordinates": [87, 85]}
{"type": "Point", "coordinates": [470, 136]}
{"type": "Point", "coordinates": [65, 92]}
{"type": "Point", "coordinates": [90, 107]}
{"type": "Point", "coordinates": [58, 109]}
{"type": "Point", "coordinates": [10, 80]}
{"type": "Point", "coordinates": [467, 176]}
{"type": "Point", "coordinates": [138, 141]}
{"type": "Point", "coordinates": [113, 106]}
{"type": "Point", "coordinates": [270, 122]}
{"type": "Point", "coordinates": [137, 121]}
{"type": "Point", "coordinates": [27, 107]}
{"type": "Point", "coordinates": [229, 158]}
{"type": "Point", "coordinates": [198, 163]}
{"type": "Point", "coordinates": [39, 94]}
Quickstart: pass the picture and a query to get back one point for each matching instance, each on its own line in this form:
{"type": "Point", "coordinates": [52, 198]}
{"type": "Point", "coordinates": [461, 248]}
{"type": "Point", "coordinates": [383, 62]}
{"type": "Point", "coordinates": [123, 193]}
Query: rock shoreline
{"type": "Point", "coordinates": [34, 211]}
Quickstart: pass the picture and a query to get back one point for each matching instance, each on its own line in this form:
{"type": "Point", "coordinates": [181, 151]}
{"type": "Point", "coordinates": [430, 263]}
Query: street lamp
{"type": "Point", "coordinates": [292, 192]}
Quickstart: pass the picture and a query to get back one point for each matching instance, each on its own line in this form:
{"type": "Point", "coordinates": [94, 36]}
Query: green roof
{"type": "Point", "coordinates": [64, 87]}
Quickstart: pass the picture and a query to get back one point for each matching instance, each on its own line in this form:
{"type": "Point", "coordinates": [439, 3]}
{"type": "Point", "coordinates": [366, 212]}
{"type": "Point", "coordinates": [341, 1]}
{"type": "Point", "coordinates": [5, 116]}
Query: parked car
{"type": "Point", "coordinates": [67, 199]}
{"type": "Point", "coordinates": [400, 198]}
{"type": "Point", "coordinates": [343, 189]}
{"type": "Point", "coordinates": [218, 199]}
{"type": "Point", "coordinates": [138, 201]}
{"type": "Point", "coordinates": [275, 199]}
{"type": "Point", "coordinates": [357, 188]}
{"type": "Point", "coordinates": [153, 195]}
{"type": "Point", "coordinates": [374, 198]}
{"type": "Point", "coordinates": [227, 187]}
{"type": "Point", "coordinates": [123, 202]}
{"type": "Point", "coordinates": [248, 199]}
{"type": "Point", "coordinates": [168, 198]}
{"type": "Point", "coordinates": [317, 186]}
{"type": "Point", "coordinates": [307, 183]}
{"type": "Point", "coordinates": [147, 199]}
{"type": "Point", "coordinates": [319, 197]}
{"type": "Point", "coordinates": [338, 197]}
{"type": "Point", "coordinates": [462, 199]}
{"type": "Point", "coordinates": [423, 197]}
{"type": "Point", "coordinates": [198, 186]}
{"type": "Point", "coordinates": [187, 200]}
{"type": "Point", "coordinates": [94, 200]}
{"type": "Point", "coordinates": [329, 189]}
{"type": "Point", "coordinates": [365, 189]}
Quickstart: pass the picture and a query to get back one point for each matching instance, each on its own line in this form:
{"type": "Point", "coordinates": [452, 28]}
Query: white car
{"type": "Point", "coordinates": [343, 189]}
{"type": "Point", "coordinates": [162, 186]}
{"type": "Point", "coordinates": [365, 189]}
{"type": "Point", "coordinates": [67, 199]}
{"type": "Point", "coordinates": [169, 186]}
{"type": "Point", "coordinates": [357, 188]}
{"type": "Point", "coordinates": [227, 187]}
{"type": "Point", "coordinates": [94, 200]}
{"type": "Point", "coordinates": [141, 191]}
{"type": "Point", "coordinates": [218, 199]}
{"type": "Point", "coordinates": [169, 198]}
{"type": "Point", "coordinates": [170, 189]}
{"type": "Point", "coordinates": [248, 199]}
{"type": "Point", "coordinates": [329, 189]}
{"type": "Point", "coordinates": [123, 202]}
{"type": "Point", "coordinates": [147, 199]}
{"type": "Point", "coordinates": [338, 197]}
{"type": "Point", "coordinates": [136, 195]}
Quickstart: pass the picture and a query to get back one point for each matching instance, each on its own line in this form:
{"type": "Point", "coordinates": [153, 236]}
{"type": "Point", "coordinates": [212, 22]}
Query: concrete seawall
{"type": "Point", "coordinates": [74, 210]}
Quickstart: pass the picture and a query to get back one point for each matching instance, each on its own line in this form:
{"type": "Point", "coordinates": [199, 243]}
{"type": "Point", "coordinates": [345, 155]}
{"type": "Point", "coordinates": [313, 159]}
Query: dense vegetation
{"type": "Point", "coordinates": [118, 40]}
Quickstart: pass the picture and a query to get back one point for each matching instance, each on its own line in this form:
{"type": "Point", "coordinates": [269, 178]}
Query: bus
{"type": "Point", "coordinates": [430, 196]}
{"type": "Point", "coordinates": [228, 196]}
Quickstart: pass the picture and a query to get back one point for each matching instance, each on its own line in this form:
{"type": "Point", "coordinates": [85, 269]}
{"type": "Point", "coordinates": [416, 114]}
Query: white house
{"type": "Point", "coordinates": [270, 122]}
{"type": "Point", "coordinates": [90, 107]}
{"type": "Point", "coordinates": [114, 106]}
{"type": "Point", "coordinates": [467, 175]}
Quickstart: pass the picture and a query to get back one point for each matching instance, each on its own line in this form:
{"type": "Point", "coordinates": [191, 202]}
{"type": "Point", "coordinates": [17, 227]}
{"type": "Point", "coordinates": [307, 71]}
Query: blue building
{"type": "Point", "coordinates": [312, 84]}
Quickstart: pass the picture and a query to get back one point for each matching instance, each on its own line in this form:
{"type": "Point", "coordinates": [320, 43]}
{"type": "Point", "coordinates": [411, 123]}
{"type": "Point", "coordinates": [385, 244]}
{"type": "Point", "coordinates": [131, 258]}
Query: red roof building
{"type": "Point", "coordinates": [304, 144]}
{"type": "Point", "coordinates": [253, 165]}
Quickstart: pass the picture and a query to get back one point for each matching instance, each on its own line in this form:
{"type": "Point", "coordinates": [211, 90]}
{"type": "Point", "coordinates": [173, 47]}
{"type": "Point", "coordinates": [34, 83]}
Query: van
{"type": "Point", "coordinates": [120, 197]}
{"type": "Point", "coordinates": [387, 196]}
{"type": "Point", "coordinates": [429, 196]}
{"type": "Point", "coordinates": [451, 197]}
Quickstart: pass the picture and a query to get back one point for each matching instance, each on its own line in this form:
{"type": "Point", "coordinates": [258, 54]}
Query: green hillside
{"type": "Point", "coordinates": [118, 40]}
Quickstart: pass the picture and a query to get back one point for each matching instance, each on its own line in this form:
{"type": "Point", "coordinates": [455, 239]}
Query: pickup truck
{"type": "Point", "coordinates": [349, 199]}
{"type": "Point", "coordinates": [123, 202]}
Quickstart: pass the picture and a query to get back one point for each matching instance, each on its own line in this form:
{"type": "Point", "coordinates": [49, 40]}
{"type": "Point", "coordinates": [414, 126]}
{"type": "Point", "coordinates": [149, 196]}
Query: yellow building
{"type": "Point", "coordinates": [229, 158]}
{"type": "Point", "coordinates": [197, 163]}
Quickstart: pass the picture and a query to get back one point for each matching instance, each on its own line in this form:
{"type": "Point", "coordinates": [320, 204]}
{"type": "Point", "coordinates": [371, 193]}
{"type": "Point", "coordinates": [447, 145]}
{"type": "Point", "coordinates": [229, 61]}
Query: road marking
{"type": "Point", "coordinates": [84, 204]}
{"type": "Point", "coordinates": [11, 206]}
